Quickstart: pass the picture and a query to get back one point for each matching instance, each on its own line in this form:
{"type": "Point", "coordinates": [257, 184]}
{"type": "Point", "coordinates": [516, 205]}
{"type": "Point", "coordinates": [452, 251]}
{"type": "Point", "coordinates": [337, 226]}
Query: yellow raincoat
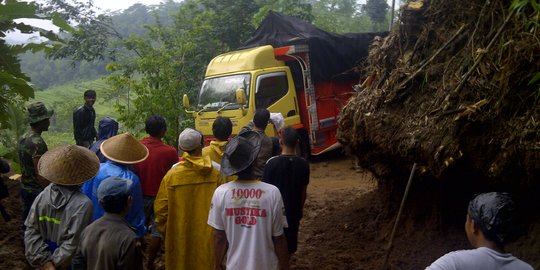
{"type": "Point", "coordinates": [181, 208]}
{"type": "Point", "coordinates": [215, 150]}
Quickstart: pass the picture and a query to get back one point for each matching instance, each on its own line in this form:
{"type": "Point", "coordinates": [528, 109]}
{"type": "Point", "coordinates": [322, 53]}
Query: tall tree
{"type": "Point", "coordinates": [169, 63]}
{"type": "Point", "coordinates": [340, 16]}
{"type": "Point", "coordinates": [231, 20]}
{"type": "Point", "coordinates": [297, 8]}
{"type": "Point", "coordinates": [377, 11]}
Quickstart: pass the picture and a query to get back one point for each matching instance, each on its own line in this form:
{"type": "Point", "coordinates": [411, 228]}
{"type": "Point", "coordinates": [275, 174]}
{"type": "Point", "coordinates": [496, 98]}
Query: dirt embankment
{"type": "Point", "coordinates": [453, 89]}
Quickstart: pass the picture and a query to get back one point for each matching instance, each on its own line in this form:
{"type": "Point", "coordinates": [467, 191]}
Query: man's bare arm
{"type": "Point", "coordinates": [303, 197]}
{"type": "Point", "coordinates": [220, 247]}
{"type": "Point", "coordinates": [280, 247]}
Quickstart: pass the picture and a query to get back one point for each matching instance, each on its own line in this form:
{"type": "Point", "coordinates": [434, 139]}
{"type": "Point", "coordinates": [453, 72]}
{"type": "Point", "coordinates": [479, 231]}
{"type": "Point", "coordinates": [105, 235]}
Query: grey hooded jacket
{"type": "Point", "coordinates": [58, 216]}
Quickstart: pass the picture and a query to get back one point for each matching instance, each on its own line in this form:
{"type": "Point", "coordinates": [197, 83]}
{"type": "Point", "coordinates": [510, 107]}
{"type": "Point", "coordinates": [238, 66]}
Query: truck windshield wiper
{"type": "Point", "coordinates": [225, 106]}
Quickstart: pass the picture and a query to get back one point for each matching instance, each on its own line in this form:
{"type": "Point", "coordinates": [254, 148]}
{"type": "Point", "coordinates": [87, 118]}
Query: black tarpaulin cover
{"type": "Point", "coordinates": [331, 54]}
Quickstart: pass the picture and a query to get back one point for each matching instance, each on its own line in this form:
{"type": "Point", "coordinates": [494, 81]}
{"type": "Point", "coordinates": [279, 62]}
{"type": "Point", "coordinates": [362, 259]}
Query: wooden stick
{"type": "Point", "coordinates": [481, 56]}
{"type": "Point", "coordinates": [432, 57]}
{"type": "Point", "coordinates": [389, 247]}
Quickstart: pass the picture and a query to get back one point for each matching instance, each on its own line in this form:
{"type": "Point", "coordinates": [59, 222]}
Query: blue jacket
{"type": "Point", "coordinates": [135, 216]}
{"type": "Point", "coordinates": [108, 127]}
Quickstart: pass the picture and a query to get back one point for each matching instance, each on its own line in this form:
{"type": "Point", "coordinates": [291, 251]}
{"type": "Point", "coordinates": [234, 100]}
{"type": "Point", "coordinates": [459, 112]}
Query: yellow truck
{"type": "Point", "coordinates": [297, 80]}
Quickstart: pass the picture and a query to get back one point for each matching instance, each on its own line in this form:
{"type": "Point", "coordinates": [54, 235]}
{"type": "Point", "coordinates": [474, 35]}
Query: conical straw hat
{"type": "Point", "coordinates": [124, 148]}
{"type": "Point", "coordinates": [68, 165]}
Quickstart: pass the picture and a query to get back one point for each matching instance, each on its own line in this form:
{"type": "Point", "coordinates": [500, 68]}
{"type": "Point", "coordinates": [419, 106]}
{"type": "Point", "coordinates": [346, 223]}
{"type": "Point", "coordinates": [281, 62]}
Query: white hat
{"type": "Point", "coordinates": [189, 139]}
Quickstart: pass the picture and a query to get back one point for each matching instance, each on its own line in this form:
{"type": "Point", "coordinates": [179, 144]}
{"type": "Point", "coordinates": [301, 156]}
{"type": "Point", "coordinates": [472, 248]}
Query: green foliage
{"type": "Point", "coordinates": [522, 5]}
{"type": "Point", "coordinates": [377, 11]}
{"type": "Point", "coordinates": [230, 21]}
{"type": "Point", "coordinates": [153, 82]}
{"type": "Point", "coordinates": [296, 8]}
{"type": "Point", "coordinates": [15, 86]}
{"type": "Point", "coordinates": [66, 98]}
{"type": "Point", "coordinates": [55, 138]}
{"type": "Point", "coordinates": [341, 16]}
{"type": "Point", "coordinates": [45, 73]}
{"type": "Point", "coordinates": [9, 136]}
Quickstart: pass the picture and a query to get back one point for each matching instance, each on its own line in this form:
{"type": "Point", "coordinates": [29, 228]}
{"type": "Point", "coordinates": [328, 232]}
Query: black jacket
{"type": "Point", "coordinates": [84, 118]}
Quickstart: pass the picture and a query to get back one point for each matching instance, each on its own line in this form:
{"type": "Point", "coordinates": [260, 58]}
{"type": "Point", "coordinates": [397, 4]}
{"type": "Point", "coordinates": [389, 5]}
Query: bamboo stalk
{"type": "Point", "coordinates": [481, 56]}
{"type": "Point", "coordinates": [432, 57]}
{"type": "Point", "coordinates": [390, 242]}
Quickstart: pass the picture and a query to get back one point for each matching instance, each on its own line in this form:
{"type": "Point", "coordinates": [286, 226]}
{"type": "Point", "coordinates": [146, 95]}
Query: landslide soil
{"type": "Point", "coordinates": [346, 225]}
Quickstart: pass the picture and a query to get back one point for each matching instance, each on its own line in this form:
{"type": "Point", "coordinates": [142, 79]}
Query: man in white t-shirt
{"type": "Point", "coordinates": [247, 215]}
{"type": "Point", "coordinates": [488, 227]}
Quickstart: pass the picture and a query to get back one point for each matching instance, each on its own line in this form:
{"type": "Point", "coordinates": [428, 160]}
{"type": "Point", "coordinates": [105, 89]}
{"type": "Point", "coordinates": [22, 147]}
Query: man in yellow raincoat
{"type": "Point", "coordinates": [182, 205]}
{"type": "Point", "coordinates": [221, 129]}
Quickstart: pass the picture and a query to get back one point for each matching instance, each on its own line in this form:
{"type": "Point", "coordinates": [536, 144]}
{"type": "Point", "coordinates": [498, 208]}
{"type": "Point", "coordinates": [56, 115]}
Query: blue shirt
{"type": "Point", "coordinates": [135, 216]}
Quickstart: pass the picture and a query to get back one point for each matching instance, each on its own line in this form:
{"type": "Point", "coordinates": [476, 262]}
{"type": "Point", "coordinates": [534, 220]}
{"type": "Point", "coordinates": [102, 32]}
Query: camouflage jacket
{"type": "Point", "coordinates": [31, 146]}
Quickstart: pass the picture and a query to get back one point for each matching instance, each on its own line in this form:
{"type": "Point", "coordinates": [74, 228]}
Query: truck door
{"type": "Point", "coordinates": [275, 91]}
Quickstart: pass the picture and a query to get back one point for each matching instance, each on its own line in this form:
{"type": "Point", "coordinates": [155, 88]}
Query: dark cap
{"type": "Point", "coordinates": [494, 213]}
{"type": "Point", "coordinates": [37, 112]}
{"type": "Point", "coordinates": [240, 152]}
{"type": "Point", "coordinates": [114, 188]}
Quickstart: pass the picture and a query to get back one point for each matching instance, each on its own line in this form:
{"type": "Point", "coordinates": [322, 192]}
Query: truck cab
{"type": "Point", "coordinates": [238, 83]}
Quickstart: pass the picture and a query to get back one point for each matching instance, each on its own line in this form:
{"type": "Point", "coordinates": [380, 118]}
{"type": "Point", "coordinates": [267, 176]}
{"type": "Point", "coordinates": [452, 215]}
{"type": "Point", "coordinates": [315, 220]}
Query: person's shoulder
{"type": "Point", "coordinates": [268, 187]}
{"type": "Point", "coordinates": [34, 138]}
{"type": "Point", "coordinates": [78, 109]}
{"type": "Point", "coordinates": [447, 261]}
{"type": "Point", "coordinates": [221, 190]}
{"type": "Point", "coordinates": [274, 160]}
{"type": "Point", "coordinates": [522, 265]}
{"type": "Point", "coordinates": [225, 187]}
{"type": "Point", "coordinates": [458, 259]}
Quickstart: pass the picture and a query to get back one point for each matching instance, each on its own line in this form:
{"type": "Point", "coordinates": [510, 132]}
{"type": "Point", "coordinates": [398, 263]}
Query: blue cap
{"type": "Point", "coordinates": [113, 188]}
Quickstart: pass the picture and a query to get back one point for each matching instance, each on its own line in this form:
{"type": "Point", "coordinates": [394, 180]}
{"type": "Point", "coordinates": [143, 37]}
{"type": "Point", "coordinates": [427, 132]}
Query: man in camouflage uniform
{"type": "Point", "coordinates": [31, 147]}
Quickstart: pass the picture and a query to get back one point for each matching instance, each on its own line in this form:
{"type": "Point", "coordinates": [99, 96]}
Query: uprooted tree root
{"type": "Point", "coordinates": [450, 88]}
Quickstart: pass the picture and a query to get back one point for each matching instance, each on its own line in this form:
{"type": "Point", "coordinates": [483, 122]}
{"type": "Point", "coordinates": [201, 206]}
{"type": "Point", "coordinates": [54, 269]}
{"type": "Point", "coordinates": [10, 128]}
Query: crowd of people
{"type": "Point", "coordinates": [234, 204]}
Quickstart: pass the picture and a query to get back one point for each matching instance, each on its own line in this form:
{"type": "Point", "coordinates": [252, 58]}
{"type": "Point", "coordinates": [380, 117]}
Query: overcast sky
{"type": "Point", "coordinates": [114, 5]}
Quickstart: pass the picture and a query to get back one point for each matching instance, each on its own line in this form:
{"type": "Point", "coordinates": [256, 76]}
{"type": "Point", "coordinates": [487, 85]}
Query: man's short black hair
{"type": "Point", "coordinates": [261, 118]}
{"type": "Point", "coordinates": [289, 136]}
{"type": "Point", "coordinates": [115, 206]}
{"type": "Point", "coordinates": [222, 128]}
{"type": "Point", "coordinates": [154, 125]}
{"type": "Point", "coordinates": [89, 93]}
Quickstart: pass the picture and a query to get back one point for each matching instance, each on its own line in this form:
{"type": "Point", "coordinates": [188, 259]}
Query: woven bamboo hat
{"type": "Point", "coordinates": [68, 165]}
{"type": "Point", "coordinates": [124, 148]}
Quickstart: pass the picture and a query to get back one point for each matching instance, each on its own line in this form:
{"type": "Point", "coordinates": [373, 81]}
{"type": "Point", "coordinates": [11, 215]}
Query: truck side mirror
{"type": "Point", "coordinates": [185, 103]}
{"type": "Point", "coordinates": [241, 96]}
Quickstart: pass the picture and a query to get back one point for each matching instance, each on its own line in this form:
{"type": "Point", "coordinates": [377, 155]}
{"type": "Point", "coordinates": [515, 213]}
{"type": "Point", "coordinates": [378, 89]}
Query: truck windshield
{"type": "Point", "coordinates": [220, 93]}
